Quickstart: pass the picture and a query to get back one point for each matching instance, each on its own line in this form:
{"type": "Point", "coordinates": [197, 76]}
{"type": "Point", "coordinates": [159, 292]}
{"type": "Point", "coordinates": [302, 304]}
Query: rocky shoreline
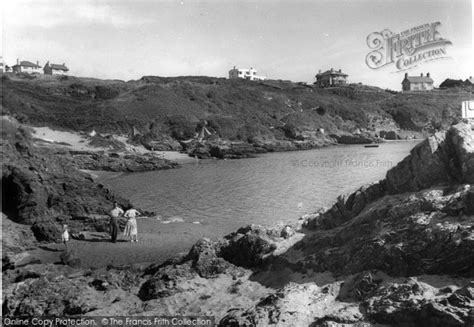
{"type": "Point", "coordinates": [398, 252]}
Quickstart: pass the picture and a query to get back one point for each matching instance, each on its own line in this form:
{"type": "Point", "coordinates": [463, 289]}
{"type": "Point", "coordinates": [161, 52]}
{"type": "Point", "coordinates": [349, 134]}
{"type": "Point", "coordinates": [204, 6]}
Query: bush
{"type": "Point", "coordinates": [181, 128]}
{"type": "Point", "coordinates": [12, 130]}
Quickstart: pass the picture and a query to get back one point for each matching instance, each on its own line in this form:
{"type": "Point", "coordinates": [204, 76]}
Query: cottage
{"type": "Point", "coordinates": [417, 83]}
{"type": "Point", "coordinates": [250, 74]}
{"type": "Point", "coordinates": [55, 69]}
{"type": "Point", "coordinates": [330, 78]}
{"type": "Point", "coordinates": [26, 67]}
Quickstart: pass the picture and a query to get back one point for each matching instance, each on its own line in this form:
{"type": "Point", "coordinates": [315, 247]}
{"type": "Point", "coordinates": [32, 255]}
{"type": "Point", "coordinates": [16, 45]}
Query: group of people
{"type": "Point", "coordinates": [131, 230]}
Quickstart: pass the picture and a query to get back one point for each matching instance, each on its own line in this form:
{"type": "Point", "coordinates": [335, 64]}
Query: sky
{"type": "Point", "coordinates": [287, 39]}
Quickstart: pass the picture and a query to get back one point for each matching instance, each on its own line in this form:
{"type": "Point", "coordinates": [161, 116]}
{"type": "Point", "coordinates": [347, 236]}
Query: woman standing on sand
{"type": "Point", "coordinates": [131, 227]}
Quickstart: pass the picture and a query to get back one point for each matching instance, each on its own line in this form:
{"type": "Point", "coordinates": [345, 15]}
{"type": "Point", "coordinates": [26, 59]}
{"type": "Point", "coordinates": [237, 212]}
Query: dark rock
{"type": "Point", "coordinates": [40, 188]}
{"type": "Point", "coordinates": [446, 157]}
{"type": "Point", "coordinates": [469, 202]}
{"type": "Point", "coordinates": [47, 232]}
{"type": "Point", "coordinates": [347, 207]}
{"type": "Point", "coordinates": [13, 261]}
{"type": "Point", "coordinates": [287, 232]}
{"type": "Point", "coordinates": [389, 135]}
{"type": "Point", "coordinates": [205, 261]}
{"type": "Point", "coordinates": [359, 287]}
{"type": "Point", "coordinates": [246, 250]}
{"type": "Point", "coordinates": [354, 139]}
{"type": "Point", "coordinates": [69, 258]}
{"type": "Point", "coordinates": [165, 282]}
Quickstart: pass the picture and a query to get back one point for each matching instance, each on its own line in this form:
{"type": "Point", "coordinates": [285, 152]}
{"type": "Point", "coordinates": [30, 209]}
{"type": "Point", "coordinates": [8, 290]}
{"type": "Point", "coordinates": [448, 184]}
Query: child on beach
{"type": "Point", "coordinates": [65, 235]}
{"type": "Point", "coordinates": [131, 230]}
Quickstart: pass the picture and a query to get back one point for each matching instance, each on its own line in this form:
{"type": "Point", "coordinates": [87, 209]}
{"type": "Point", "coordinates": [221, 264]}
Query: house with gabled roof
{"type": "Point", "coordinates": [417, 83]}
{"type": "Point", "coordinates": [55, 69]}
{"type": "Point", "coordinates": [28, 67]}
{"type": "Point", "coordinates": [330, 77]}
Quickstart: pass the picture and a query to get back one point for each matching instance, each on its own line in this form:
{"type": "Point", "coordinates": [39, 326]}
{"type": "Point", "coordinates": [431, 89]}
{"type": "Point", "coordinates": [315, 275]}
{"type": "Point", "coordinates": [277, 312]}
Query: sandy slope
{"type": "Point", "coordinates": [79, 142]}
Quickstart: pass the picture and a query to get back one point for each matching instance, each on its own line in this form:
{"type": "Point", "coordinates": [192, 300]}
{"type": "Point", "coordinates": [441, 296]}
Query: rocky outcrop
{"type": "Point", "coordinates": [46, 289]}
{"type": "Point", "coordinates": [445, 158]}
{"type": "Point", "coordinates": [45, 192]}
{"type": "Point", "coordinates": [407, 234]}
{"type": "Point", "coordinates": [385, 302]}
{"type": "Point", "coordinates": [113, 161]}
{"type": "Point", "coordinates": [354, 139]}
{"type": "Point", "coordinates": [414, 303]}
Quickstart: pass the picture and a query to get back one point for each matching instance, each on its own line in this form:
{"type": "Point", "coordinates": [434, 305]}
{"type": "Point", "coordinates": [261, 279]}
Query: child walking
{"type": "Point", "coordinates": [65, 235]}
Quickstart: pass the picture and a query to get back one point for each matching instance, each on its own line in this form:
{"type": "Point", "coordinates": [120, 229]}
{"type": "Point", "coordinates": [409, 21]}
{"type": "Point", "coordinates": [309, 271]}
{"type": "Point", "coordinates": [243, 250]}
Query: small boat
{"type": "Point", "coordinates": [371, 146]}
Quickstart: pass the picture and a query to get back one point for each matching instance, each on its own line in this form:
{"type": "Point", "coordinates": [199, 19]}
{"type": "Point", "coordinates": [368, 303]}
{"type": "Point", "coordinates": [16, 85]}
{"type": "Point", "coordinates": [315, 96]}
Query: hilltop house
{"type": "Point", "coordinates": [330, 78]}
{"type": "Point", "coordinates": [26, 67]}
{"type": "Point", "coordinates": [417, 83]}
{"type": "Point", "coordinates": [55, 69]}
{"type": "Point", "coordinates": [250, 74]}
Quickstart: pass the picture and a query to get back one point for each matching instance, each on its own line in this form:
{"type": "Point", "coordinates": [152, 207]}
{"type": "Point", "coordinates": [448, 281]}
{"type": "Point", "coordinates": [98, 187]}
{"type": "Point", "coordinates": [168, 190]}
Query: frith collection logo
{"type": "Point", "coordinates": [407, 49]}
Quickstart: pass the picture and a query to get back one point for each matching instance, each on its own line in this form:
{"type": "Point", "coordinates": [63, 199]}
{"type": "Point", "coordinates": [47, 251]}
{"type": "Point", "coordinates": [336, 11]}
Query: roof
{"type": "Point", "coordinates": [25, 63]}
{"type": "Point", "coordinates": [332, 72]}
{"type": "Point", "coordinates": [418, 79]}
{"type": "Point", "coordinates": [59, 67]}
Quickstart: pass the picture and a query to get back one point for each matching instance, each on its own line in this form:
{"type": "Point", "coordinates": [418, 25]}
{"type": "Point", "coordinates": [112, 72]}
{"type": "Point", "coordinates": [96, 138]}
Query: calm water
{"type": "Point", "coordinates": [277, 187]}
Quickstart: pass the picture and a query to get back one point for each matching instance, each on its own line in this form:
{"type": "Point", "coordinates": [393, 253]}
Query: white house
{"type": "Point", "coordinates": [250, 74]}
{"type": "Point", "coordinates": [26, 67]}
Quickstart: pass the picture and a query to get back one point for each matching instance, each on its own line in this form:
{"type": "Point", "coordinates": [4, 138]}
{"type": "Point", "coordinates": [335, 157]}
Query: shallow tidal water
{"type": "Point", "coordinates": [216, 197]}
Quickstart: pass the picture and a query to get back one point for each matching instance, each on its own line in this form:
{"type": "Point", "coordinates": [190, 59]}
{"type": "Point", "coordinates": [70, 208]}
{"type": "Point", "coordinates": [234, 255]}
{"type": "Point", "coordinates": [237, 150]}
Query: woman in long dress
{"type": "Point", "coordinates": [131, 230]}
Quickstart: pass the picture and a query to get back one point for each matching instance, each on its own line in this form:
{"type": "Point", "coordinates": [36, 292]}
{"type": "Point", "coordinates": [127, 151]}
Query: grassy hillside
{"type": "Point", "coordinates": [237, 110]}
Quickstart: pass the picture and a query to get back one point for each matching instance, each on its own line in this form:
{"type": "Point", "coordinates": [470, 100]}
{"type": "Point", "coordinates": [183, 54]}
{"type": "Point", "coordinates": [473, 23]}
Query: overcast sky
{"type": "Point", "coordinates": [125, 39]}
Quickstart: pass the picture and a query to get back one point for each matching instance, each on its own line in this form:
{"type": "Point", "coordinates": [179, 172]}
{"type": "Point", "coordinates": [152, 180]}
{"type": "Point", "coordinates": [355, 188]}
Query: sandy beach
{"type": "Point", "coordinates": [79, 142]}
{"type": "Point", "coordinates": [158, 242]}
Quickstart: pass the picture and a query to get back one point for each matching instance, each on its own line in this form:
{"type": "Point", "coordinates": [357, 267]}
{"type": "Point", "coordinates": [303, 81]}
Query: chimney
{"type": "Point", "coordinates": [406, 75]}
{"type": "Point", "coordinates": [64, 64]}
{"type": "Point", "coordinates": [37, 63]}
{"type": "Point", "coordinates": [339, 70]}
{"type": "Point", "coordinates": [17, 61]}
{"type": "Point", "coordinates": [421, 74]}
{"type": "Point", "coordinates": [428, 75]}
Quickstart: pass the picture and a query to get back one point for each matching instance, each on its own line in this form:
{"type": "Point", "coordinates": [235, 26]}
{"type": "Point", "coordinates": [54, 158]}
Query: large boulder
{"type": "Point", "coordinates": [247, 247]}
{"type": "Point", "coordinates": [447, 157]}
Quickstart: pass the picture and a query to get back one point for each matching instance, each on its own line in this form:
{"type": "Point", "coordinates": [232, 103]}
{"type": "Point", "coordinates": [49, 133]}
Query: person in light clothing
{"type": "Point", "coordinates": [131, 230]}
{"type": "Point", "coordinates": [65, 235]}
